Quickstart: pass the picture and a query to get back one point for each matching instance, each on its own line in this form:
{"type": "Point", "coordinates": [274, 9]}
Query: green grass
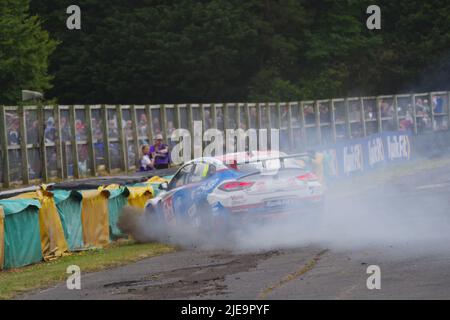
{"type": "Point", "coordinates": [18, 281]}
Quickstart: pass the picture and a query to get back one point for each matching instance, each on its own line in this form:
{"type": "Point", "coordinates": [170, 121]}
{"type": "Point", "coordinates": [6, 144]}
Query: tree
{"type": "Point", "coordinates": [24, 51]}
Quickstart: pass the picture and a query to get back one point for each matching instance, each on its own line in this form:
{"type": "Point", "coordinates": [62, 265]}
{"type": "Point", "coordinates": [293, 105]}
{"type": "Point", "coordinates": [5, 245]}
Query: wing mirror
{"type": "Point", "coordinates": [163, 186]}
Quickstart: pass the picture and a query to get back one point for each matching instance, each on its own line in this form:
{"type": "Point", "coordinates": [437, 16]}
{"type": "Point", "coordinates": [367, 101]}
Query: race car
{"type": "Point", "coordinates": [209, 192]}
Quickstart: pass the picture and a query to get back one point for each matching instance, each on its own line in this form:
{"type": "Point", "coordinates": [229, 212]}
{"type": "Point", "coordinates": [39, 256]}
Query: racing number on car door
{"type": "Point", "coordinates": [169, 214]}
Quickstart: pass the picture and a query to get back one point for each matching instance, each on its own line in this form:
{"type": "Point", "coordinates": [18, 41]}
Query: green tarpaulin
{"type": "Point", "coordinates": [117, 200]}
{"type": "Point", "coordinates": [68, 204]}
{"type": "Point", "coordinates": [22, 235]}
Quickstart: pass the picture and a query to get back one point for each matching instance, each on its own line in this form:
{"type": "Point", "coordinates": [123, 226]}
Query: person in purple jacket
{"type": "Point", "coordinates": [160, 153]}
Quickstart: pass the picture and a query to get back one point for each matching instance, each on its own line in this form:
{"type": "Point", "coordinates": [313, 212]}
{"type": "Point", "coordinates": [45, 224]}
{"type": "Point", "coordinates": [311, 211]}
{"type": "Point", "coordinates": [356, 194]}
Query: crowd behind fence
{"type": "Point", "coordinates": [50, 143]}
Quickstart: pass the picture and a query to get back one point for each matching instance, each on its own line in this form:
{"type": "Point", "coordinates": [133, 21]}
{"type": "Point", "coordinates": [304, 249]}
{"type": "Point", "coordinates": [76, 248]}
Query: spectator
{"type": "Point", "coordinates": [65, 129]}
{"type": "Point", "coordinates": [80, 130]}
{"type": "Point", "coordinates": [113, 128]}
{"type": "Point", "coordinates": [50, 131]}
{"type": "Point", "coordinates": [156, 126]}
{"type": "Point", "coordinates": [160, 153]}
{"type": "Point", "coordinates": [129, 129]}
{"type": "Point", "coordinates": [142, 126]}
{"type": "Point", "coordinates": [33, 133]}
{"type": "Point", "coordinates": [146, 160]}
{"type": "Point", "coordinates": [406, 124]}
{"type": "Point", "coordinates": [13, 133]}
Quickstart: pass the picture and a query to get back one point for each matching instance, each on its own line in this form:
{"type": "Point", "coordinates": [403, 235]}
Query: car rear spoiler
{"type": "Point", "coordinates": [308, 156]}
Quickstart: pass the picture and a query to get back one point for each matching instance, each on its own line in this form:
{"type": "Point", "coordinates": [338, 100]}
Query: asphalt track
{"type": "Point", "coordinates": [402, 226]}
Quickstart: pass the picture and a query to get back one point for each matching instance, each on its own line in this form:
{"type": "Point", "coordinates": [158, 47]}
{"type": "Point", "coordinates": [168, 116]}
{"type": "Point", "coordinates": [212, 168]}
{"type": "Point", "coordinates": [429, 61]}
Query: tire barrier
{"type": "Point", "coordinates": [49, 223]}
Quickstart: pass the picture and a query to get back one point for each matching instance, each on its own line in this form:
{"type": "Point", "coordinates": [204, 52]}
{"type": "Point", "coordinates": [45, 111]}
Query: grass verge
{"type": "Point", "coordinates": [18, 281]}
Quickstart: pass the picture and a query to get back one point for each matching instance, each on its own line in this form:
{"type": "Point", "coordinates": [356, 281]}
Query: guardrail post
{"type": "Point", "coordinates": [4, 148]}
{"type": "Point", "coordinates": [24, 145]}
{"type": "Point", "coordinates": [90, 141]}
{"type": "Point", "coordinates": [73, 142]}
{"type": "Point", "coordinates": [122, 139]}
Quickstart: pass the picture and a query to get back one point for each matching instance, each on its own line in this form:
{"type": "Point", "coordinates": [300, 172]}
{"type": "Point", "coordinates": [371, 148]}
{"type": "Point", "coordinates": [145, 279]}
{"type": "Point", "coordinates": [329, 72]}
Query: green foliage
{"type": "Point", "coordinates": [155, 51]}
{"type": "Point", "coordinates": [24, 51]}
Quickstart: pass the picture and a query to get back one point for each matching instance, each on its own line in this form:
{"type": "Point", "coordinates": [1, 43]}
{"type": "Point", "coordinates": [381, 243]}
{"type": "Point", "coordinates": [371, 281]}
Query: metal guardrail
{"type": "Point", "coordinates": [41, 144]}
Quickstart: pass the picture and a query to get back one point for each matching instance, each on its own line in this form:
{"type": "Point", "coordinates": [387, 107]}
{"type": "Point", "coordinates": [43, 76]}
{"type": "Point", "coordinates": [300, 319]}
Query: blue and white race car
{"type": "Point", "coordinates": [207, 193]}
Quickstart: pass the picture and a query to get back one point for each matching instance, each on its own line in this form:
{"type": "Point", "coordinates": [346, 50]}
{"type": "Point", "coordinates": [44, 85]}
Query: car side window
{"type": "Point", "coordinates": [181, 178]}
{"type": "Point", "coordinates": [202, 171]}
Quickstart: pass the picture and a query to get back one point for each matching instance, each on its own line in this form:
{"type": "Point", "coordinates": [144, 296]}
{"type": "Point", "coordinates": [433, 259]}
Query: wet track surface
{"type": "Point", "coordinates": [403, 227]}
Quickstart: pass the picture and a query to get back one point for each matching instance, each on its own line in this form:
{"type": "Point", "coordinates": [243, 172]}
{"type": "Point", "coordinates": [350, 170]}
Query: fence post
{"type": "Point", "coordinates": [333, 121]}
{"type": "Point", "coordinates": [24, 145]}
{"type": "Point", "coordinates": [177, 117]}
{"type": "Point", "coordinates": [148, 110]}
{"type": "Point", "coordinates": [318, 128]}
{"type": "Point", "coordinates": [348, 125]}
{"type": "Point", "coordinates": [122, 139]}
{"type": "Point", "coordinates": [379, 118]}
{"type": "Point", "coordinates": [163, 119]}
{"type": "Point", "coordinates": [135, 134]}
{"type": "Point", "coordinates": [413, 104]}
{"type": "Point", "coordinates": [237, 117]}
{"type": "Point", "coordinates": [248, 122]}
{"type": "Point", "coordinates": [363, 116]}
{"type": "Point", "coordinates": [90, 141]}
{"type": "Point", "coordinates": [4, 148]}
{"type": "Point", "coordinates": [448, 110]}
{"type": "Point", "coordinates": [73, 142]}
{"type": "Point", "coordinates": [190, 127]}
{"type": "Point", "coordinates": [290, 130]}
{"type": "Point", "coordinates": [42, 144]}
{"type": "Point", "coordinates": [58, 145]}
{"type": "Point", "coordinates": [430, 103]}
{"type": "Point", "coordinates": [269, 125]}
{"type": "Point", "coordinates": [396, 120]}
{"type": "Point", "coordinates": [214, 115]}
{"type": "Point", "coordinates": [303, 123]}
{"type": "Point", "coordinates": [106, 138]}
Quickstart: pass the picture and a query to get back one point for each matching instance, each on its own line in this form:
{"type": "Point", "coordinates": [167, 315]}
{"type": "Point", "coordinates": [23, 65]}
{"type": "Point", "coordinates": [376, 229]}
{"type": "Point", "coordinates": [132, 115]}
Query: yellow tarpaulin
{"type": "Point", "coordinates": [53, 241]}
{"type": "Point", "coordinates": [157, 179]}
{"type": "Point", "coordinates": [2, 238]}
{"type": "Point", "coordinates": [139, 196]}
{"type": "Point", "coordinates": [94, 218]}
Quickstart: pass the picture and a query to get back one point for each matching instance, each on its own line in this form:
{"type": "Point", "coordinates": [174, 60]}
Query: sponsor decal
{"type": "Point", "coordinates": [353, 159]}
